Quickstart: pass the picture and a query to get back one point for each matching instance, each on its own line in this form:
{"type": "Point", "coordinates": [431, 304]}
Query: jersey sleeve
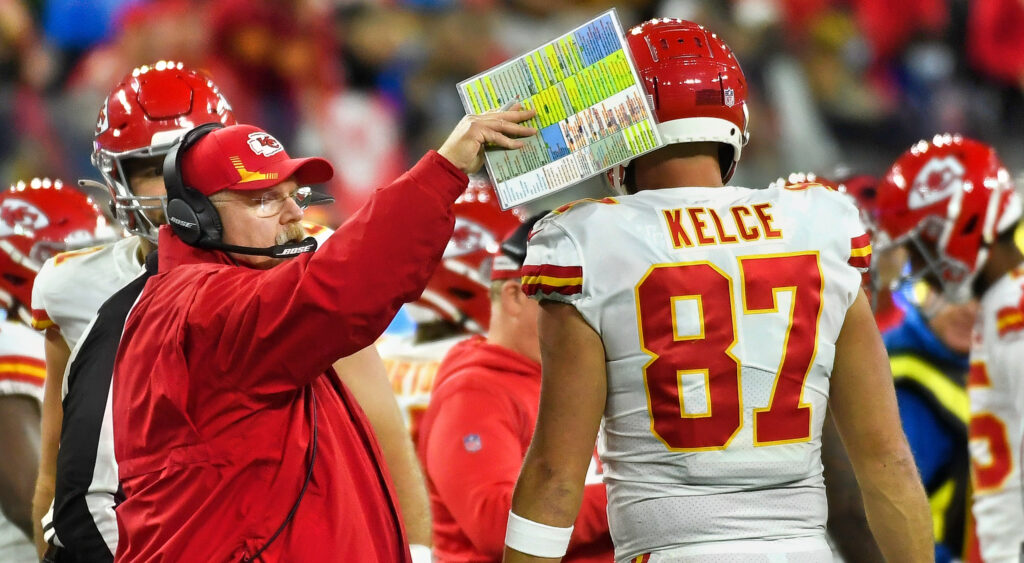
{"type": "Point", "coordinates": [40, 289]}
{"type": "Point", "coordinates": [22, 368]}
{"type": "Point", "coordinates": [553, 269]}
{"type": "Point", "coordinates": [848, 267]}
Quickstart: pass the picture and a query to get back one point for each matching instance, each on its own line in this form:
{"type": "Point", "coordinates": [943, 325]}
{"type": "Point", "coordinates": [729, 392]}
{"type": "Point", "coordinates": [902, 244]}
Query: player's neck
{"type": "Point", "coordinates": [145, 247]}
{"type": "Point", "coordinates": [684, 164]}
{"type": "Point", "coordinates": [1002, 258]}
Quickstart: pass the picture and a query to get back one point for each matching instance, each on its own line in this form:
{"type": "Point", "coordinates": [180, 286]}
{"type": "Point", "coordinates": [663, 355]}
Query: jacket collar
{"type": "Point", "coordinates": [174, 252]}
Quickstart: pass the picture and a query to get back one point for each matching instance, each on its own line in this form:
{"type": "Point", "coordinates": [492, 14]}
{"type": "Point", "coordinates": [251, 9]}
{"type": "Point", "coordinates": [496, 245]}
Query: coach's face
{"type": "Point", "coordinates": [260, 218]}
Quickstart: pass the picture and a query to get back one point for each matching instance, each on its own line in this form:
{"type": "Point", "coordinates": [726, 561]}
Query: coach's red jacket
{"type": "Point", "coordinates": [215, 380]}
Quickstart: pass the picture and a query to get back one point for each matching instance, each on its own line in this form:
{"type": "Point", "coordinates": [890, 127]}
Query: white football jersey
{"type": "Point", "coordinates": [22, 371]}
{"type": "Point", "coordinates": [411, 369]}
{"type": "Point", "coordinates": [719, 310]}
{"type": "Point", "coordinates": [71, 286]}
{"type": "Point", "coordinates": [996, 390]}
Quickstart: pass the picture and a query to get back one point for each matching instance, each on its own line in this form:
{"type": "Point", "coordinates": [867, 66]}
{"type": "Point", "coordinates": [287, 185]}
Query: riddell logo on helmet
{"type": "Point", "coordinates": [938, 179]}
{"type": "Point", "coordinates": [19, 217]}
{"type": "Point", "coordinates": [263, 144]}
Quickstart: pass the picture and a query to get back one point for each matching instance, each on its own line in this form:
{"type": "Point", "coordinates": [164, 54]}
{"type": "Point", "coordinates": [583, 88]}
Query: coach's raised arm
{"type": "Point", "coordinates": [234, 437]}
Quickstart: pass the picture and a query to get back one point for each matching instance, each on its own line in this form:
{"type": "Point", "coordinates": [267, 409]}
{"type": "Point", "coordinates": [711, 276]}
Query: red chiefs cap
{"type": "Point", "coordinates": [243, 157]}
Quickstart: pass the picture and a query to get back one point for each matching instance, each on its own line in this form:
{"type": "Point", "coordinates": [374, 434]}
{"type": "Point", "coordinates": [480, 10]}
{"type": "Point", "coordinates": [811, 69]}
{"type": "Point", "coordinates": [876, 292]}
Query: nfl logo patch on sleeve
{"type": "Point", "coordinates": [472, 442]}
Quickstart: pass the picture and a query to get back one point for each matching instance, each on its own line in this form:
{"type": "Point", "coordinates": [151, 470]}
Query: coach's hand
{"type": "Point", "coordinates": [464, 147]}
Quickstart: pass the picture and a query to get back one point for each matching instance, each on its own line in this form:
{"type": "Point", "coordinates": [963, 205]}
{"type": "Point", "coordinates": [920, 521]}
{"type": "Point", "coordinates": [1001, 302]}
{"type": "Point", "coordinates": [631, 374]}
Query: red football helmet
{"type": "Point", "coordinates": [861, 188]}
{"type": "Point", "coordinates": [38, 219]}
{"type": "Point", "coordinates": [947, 199]}
{"type": "Point", "coordinates": [458, 292]}
{"type": "Point", "coordinates": [695, 84]}
{"type": "Point", "coordinates": [142, 117]}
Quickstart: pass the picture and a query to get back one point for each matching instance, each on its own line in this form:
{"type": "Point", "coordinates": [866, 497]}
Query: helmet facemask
{"type": "Point", "coordinates": [929, 264]}
{"type": "Point", "coordinates": [132, 211]}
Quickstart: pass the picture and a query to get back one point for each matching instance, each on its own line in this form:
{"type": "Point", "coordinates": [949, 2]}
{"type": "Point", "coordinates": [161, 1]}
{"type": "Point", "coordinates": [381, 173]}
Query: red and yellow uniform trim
{"type": "Point", "coordinates": [1009, 319]}
{"type": "Point", "coordinates": [22, 368]}
{"type": "Point", "coordinates": [40, 320]}
{"type": "Point", "coordinates": [546, 278]}
{"type": "Point", "coordinates": [860, 252]}
{"type": "Point", "coordinates": [563, 208]}
{"type": "Point", "coordinates": [641, 558]}
{"type": "Point", "coordinates": [64, 256]}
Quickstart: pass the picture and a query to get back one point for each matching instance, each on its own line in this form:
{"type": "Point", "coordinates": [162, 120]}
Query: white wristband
{"type": "Point", "coordinates": [534, 538]}
{"type": "Point", "coordinates": [420, 553]}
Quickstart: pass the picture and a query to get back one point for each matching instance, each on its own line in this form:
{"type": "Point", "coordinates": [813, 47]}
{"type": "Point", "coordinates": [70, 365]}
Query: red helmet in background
{"type": "Point", "coordinates": [861, 188]}
{"type": "Point", "coordinates": [143, 116]}
{"type": "Point", "coordinates": [696, 85]}
{"type": "Point", "coordinates": [458, 292]}
{"type": "Point", "coordinates": [948, 199]}
{"type": "Point", "coordinates": [39, 219]}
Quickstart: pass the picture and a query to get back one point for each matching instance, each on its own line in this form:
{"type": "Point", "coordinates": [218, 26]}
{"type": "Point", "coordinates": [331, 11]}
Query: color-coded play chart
{"type": "Point", "coordinates": [591, 111]}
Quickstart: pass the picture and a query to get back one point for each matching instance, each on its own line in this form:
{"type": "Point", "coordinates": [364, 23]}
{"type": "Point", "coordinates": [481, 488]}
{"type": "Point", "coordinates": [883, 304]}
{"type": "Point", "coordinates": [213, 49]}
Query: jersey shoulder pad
{"type": "Point", "coordinates": [553, 268]}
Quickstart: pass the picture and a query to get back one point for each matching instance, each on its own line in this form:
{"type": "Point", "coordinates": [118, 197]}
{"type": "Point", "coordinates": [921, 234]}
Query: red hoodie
{"type": "Point", "coordinates": [222, 368]}
{"type": "Point", "coordinates": [473, 439]}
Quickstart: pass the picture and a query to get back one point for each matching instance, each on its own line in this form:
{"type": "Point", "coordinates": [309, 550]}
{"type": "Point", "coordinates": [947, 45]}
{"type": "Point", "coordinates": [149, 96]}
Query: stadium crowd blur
{"type": "Point", "coordinates": [372, 85]}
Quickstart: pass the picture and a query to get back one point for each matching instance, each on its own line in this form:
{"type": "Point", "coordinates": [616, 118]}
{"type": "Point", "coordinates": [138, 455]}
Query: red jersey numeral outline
{"type": "Point", "coordinates": [786, 419]}
{"type": "Point", "coordinates": [989, 427]}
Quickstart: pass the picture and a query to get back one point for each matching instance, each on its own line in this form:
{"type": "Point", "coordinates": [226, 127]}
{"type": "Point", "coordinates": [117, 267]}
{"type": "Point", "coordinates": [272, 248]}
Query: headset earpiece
{"type": "Point", "coordinates": [189, 213]}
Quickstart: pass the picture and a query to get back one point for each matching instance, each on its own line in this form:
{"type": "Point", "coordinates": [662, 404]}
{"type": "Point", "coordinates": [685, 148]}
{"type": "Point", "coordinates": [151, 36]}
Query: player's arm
{"type": "Point", "coordinates": [863, 405]}
{"type": "Point", "coordinates": [550, 486]}
{"type": "Point", "coordinates": [57, 355]}
{"type": "Point", "coordinates": [19, 426]}
{"type": "Point", "coordinates": [364, 375]}
{"type": "Point", "coordinates": [847, 523]}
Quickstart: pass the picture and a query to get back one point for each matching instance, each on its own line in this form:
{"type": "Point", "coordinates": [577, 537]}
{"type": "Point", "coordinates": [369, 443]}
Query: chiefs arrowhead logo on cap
{"type": "Point", "coordinates": [263, 144]}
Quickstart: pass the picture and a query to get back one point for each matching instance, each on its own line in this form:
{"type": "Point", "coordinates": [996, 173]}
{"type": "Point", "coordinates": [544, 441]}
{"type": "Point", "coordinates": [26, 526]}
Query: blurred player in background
{"type": "Point", "coordinates": [479, 422]}
{"type": "Point", "coordinates": [951, 202]}
{"type": "Point", "coordinates": [455, 304]}
{"type": "Point", "coordinates": [711, 327]}
{"type": "Point", "coordinates": [38, 219]}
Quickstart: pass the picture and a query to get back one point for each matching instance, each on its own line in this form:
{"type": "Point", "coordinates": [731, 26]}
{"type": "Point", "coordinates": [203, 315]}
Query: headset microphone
{"type": "Point", "coordinates": [286, 250]}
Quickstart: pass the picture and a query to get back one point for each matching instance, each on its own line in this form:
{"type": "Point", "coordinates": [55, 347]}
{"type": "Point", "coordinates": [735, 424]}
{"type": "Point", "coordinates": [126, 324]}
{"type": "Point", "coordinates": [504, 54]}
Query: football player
{"type": "Point", "coordinates": [705, 328]}
{"type": "Point", "coordinates": [38, 219]}
{"type": "Point", "coordinates": [951, 202]}
{"type": "Point", "coordinates": [455, 304]}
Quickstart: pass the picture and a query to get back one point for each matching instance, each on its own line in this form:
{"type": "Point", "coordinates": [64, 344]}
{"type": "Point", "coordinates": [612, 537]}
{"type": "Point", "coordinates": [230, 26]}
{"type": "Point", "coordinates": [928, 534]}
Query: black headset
{"type": "Point", "coordinates": [189, 212]}
{"type": "Point", "coordinates": [193, 217]}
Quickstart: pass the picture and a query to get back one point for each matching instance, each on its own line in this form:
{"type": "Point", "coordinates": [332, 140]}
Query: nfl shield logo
{"type": "Point", "coordinates": [730, 97]}
{"type": "Point", "coordinates": [472, 443]}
